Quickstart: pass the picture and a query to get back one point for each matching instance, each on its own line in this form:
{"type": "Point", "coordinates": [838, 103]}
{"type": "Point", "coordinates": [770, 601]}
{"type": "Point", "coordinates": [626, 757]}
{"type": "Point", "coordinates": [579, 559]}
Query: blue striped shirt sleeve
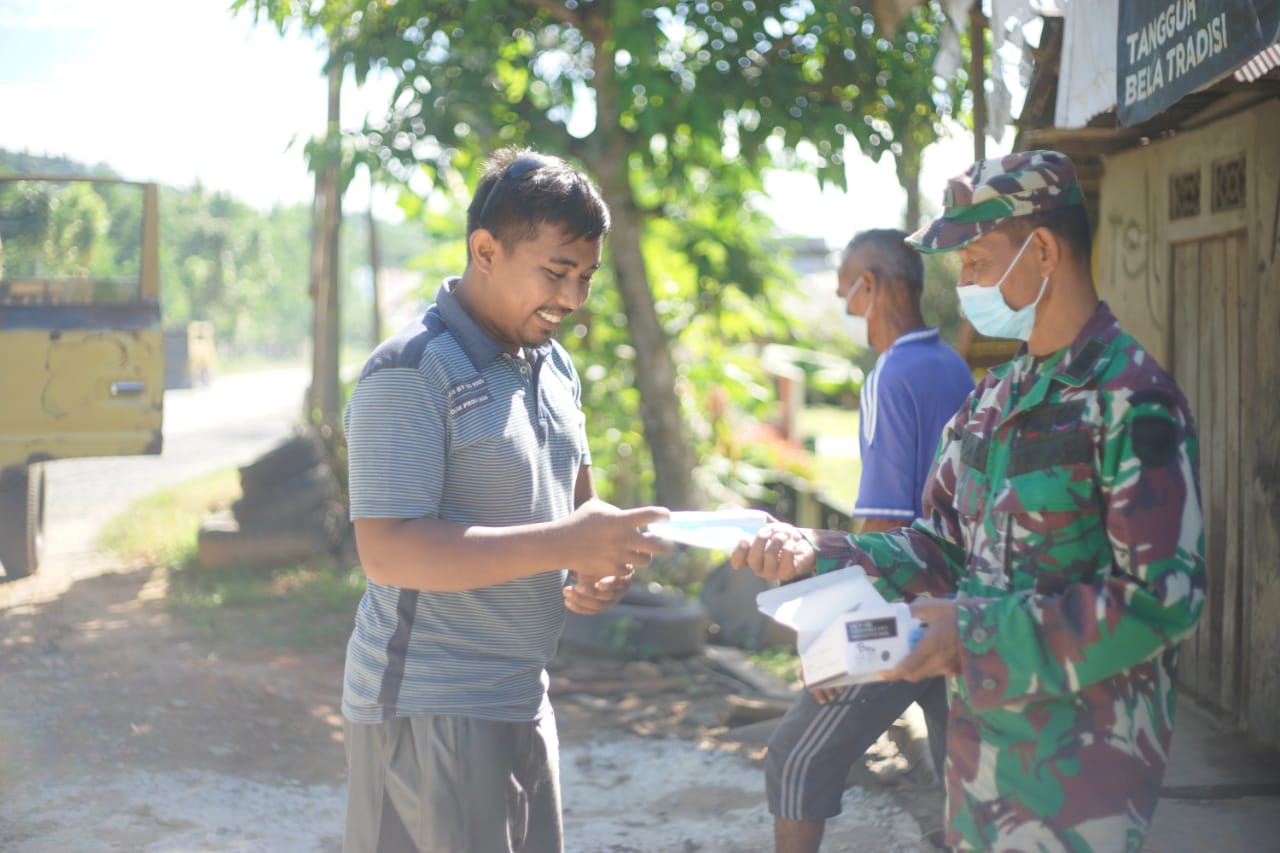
{"type": "Point", "coordinates": [396, 437]}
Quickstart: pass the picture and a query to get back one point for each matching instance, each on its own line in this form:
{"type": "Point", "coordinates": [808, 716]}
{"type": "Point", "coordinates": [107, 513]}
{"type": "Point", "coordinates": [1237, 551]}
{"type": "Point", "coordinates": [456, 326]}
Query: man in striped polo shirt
{"type": "Point", "coordinates": [916, 387]}
{"type": "Point", "coordinates": [472, 501]}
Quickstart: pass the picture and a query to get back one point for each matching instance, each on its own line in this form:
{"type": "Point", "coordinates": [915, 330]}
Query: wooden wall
{"type": "Point", "coordinates": [1196, 278]}
{"type": "Point", "coordinates": [1260, 436]}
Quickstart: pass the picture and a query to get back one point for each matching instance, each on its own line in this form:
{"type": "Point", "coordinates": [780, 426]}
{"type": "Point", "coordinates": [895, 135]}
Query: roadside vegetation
{"type": "Point", "coordinates": [303, 608]}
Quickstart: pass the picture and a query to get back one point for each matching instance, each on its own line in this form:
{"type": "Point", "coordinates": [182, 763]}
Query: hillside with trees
{"type": "Point", "coordinates": [243, 269]}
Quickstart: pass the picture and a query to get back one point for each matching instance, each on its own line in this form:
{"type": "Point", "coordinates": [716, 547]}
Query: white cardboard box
{"type": "Point", "coordinates": [846, 633]}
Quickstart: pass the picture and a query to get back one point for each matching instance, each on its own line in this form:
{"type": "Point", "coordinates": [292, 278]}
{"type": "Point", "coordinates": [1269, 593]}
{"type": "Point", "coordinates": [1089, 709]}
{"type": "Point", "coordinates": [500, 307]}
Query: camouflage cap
{"type": "Point", "coordinates": [991, 191]}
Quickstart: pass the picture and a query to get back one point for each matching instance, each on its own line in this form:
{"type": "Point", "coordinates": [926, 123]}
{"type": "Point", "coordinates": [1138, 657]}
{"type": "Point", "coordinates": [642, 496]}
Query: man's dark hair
{"type": "Point", "coordinates": [521, 189]}
{"type": "Point", "coordinates": [890, 258]}
{"type": "Point", "coordinates": [1069, 224]}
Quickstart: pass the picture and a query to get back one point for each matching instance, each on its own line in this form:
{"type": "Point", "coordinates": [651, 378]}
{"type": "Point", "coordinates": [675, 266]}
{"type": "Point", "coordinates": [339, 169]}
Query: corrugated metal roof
{"type": "Point", "coordinates": [1263, 62]}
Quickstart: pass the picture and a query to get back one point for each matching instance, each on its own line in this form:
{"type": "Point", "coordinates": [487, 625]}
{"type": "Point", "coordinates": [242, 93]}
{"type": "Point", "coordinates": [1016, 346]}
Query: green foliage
{"type": "Point", "coordinates": [161, 529]}
{"type": "Point", "coordinates": [832, 431]}
{"type": "Point", "coordinates": [245, 270]}
{"type": "Point", "coordinates": [67, 230]}
{"type": "Point", "coordinates": [305, 607]}
{"type": "Point", "coordinates": [939, 304]}
{"type": "Point", "coordinates": [677, 108]}
{"type": "Point", "coordinates": [779, 661]}
{"type": "Point", "coordinates": [247, 273]}
{"type": "Point", "coordinates": [22, 163]}
{"type": "Point", "coordinates": [765, 75]}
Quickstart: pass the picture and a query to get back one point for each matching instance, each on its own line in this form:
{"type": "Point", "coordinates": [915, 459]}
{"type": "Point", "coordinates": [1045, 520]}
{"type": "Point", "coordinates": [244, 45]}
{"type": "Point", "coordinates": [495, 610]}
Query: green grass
{"type": "Point", "coordinates": [838, 474]}
{"type": "Point", "coordinates": [828, 420]}
{"type": "Point", "coordinates": [304, 607]}
{"type": "Point", "coordinates": [779, 661]}
{"type": "Point", "coordinates": [161, 529]}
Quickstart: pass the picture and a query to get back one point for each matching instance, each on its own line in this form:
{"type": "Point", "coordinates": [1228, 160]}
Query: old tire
{"type": "Point", "coordinates": [22, 498]}
{"type": "Point", "coordinates": [299, 452]}
{"type": "Point", "coordinates": [645, 624]}
{"type": "Point", "coordinates": [294, 495]}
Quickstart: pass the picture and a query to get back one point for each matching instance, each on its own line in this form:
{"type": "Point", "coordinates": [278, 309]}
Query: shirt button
{"type": "Point", "coordinates": [989, 684]}
{"type": "Point", "coordinates": [979, 635]}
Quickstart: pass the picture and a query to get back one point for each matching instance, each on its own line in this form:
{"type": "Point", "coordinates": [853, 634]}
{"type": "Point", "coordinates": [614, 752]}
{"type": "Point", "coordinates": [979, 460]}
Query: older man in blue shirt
{"type": "Point", "coordinates": [916, 387]}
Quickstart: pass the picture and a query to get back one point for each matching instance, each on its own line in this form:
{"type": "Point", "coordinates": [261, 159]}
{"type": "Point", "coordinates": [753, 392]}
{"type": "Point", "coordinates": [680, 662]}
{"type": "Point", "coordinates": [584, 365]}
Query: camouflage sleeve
{"type": "Point", "coordinates": [1034, 646]}
{"type": "Point", "coordinates": [923, 559]}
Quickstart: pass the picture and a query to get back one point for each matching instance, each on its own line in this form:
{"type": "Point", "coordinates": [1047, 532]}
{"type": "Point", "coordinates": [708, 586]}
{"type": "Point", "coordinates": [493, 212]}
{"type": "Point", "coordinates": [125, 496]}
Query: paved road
{"type": "Point", "coordinates": [229, 423]}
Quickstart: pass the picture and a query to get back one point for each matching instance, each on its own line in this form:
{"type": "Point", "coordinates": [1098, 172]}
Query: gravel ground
{"type": "Point", "coordinates": [123, 729]}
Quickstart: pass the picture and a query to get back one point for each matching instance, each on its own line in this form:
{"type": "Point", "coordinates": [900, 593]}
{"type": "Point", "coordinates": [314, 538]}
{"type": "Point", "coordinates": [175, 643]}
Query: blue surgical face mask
{"type": "Point", "coordinates": [986, 309]}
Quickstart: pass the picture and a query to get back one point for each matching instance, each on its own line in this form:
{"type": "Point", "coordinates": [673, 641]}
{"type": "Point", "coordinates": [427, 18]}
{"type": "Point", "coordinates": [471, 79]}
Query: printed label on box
{"type": "Point", "coordinates": [871, 629]}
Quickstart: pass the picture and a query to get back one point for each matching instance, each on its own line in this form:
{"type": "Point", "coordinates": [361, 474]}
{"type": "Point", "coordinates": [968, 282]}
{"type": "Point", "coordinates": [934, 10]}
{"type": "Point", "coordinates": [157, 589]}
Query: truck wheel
{"type": "Point", "coordinates": [21, 520]}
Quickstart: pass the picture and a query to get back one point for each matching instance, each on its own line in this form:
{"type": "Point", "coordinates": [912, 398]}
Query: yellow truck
{"type": "Point", "coordinates": [81, 345]}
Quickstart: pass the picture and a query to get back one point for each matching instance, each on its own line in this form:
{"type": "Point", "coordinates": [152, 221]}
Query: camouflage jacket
{"type": "Point", "coordinates": [1063, 510]}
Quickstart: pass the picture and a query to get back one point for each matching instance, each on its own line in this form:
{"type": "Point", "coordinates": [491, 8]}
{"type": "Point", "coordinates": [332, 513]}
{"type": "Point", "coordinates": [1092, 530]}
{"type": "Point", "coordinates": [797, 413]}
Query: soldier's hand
{"type": "Point", "coordinates": [779, 552]}
{"type": "Point", "coordinates": [938, 651]}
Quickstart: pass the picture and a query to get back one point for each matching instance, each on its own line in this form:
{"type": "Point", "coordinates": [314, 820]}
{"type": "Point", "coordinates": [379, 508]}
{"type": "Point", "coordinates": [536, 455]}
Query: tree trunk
{"type": "Point", "coordinates": [907, 164]}
{"type": "Point", "coordinates": [375, 262]}
{"type": "Point", "coordinates": [324, 394]}
{"type": "Point", "coordinates": [664, 428]}
{"type": "Point", "coordinates": [605, 156]}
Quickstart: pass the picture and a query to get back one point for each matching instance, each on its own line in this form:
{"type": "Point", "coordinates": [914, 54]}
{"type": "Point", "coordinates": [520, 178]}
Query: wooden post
{"type": "Point", "coordinates": [977, 78]}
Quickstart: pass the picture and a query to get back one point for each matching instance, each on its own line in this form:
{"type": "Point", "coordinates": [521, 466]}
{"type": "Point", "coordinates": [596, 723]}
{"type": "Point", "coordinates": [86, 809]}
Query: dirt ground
{"type": "Point", "coordinates": [124, 728]}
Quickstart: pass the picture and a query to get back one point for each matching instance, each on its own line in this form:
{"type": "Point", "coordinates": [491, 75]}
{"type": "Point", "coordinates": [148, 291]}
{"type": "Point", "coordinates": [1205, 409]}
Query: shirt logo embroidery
{"type": "Point", "coordinates": [473, 384]}
{"type": "Point", "coordinates": [469, 403]}
{"type": "Point", "coordinates": [467, 395]}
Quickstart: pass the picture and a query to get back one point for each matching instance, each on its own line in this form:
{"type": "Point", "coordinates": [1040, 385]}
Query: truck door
{"type": "Point", "coordinates": [81, 351]}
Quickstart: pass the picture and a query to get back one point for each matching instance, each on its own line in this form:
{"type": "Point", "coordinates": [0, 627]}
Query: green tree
{"type": "Point", "coordinates": [675, 108]}
{"type": "Point", "coordinates": [243, 270]}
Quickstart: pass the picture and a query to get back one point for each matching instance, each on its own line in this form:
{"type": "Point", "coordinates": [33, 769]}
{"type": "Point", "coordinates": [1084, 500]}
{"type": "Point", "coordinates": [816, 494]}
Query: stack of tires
{"type": "Point", "coordinates": [290, 510]}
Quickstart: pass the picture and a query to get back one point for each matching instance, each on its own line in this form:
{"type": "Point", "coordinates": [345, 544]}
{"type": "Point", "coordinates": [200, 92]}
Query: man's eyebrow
{"type": "Point", "coordinates": [569, 262]}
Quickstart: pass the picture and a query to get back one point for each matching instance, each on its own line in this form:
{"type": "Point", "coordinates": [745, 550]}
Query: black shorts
{"type": "Point", "coordinates": [814, 746]}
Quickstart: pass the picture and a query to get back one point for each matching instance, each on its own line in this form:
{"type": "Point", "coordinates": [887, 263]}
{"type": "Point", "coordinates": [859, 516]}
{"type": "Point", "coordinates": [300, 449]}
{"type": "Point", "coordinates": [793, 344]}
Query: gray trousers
{"type": "Point", "coordinates": [814, 746]}
{"type": "Point", "coordinates": [437, 784]}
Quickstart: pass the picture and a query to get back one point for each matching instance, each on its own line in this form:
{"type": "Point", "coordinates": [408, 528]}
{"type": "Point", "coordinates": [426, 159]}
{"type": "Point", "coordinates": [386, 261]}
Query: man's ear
{"type": "Point", "coordinates": [1047, 247]}
{"type": "Point", "coordinates": [870, 281]}
{"type": "Point", "coordinates": [484, 248]}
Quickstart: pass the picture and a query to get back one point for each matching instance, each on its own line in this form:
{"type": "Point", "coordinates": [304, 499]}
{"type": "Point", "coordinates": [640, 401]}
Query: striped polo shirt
{"type": "Point", "coordinates": [443, 423]}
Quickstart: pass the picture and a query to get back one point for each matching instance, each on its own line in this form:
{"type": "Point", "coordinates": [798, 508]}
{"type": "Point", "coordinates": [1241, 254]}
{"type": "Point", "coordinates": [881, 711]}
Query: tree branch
{"type": "Point", "coordinates": [559, 12]}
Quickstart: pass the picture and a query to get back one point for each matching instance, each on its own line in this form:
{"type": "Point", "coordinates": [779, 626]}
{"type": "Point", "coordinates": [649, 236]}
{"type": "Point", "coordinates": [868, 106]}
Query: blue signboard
{"type": "Point", "coordinates": [1165, 50]}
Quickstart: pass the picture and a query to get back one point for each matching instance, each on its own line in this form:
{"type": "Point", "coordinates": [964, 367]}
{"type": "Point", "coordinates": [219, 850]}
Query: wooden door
{"type": "Point", "coordinates": [1207, 285]}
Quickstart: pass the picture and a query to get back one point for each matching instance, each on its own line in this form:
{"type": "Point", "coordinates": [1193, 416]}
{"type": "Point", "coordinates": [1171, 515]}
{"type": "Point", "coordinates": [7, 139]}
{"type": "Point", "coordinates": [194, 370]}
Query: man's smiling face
{"type": "Point", "coordinates": [534, 285]}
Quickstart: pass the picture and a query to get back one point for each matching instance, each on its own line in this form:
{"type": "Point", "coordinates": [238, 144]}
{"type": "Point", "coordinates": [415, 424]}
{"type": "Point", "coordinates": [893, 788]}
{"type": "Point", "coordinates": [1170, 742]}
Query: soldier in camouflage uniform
{"type": "Point", "coordinates": [1063, 513]}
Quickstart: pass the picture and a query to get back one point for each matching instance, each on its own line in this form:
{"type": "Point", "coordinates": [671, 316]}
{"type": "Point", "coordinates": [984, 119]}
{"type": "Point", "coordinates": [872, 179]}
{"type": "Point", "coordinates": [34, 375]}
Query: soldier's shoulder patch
{"type": "Point", "coordinates": [1155, 440]}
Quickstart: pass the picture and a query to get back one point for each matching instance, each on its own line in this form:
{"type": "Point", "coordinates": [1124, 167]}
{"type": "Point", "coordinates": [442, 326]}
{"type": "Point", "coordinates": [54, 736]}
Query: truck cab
{"type": "Point", "coordinates": [81, 345]}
